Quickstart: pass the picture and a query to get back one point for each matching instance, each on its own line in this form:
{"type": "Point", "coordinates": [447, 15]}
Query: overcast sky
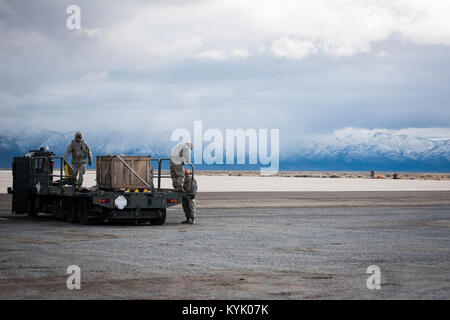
{"type": "Point", "coordinates": [301, 66]}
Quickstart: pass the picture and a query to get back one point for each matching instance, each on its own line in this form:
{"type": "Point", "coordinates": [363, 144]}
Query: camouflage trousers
{"type": "Point", "coordinates": [188, 207]}
{"type": "Point", "coordinates": [177, 175]}
{"type": "Point", "coordinates": [79, 170]}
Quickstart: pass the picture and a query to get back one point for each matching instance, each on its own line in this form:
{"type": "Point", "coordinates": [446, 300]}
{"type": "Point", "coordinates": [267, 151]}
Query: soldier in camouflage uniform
{"type": "Point", "coordinates": [190, 189]}
{"type": "Point", "coordinates": [181, 154]}
{"type": "Point", "coordinates": [79, 150]}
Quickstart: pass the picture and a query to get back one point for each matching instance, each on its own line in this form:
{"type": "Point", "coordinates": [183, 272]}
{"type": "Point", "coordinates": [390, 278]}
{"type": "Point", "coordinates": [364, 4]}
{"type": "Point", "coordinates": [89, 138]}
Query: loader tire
{"type": "Point", "coordinates": [71, 214]}
{"type": "Point", "coordinates": [84, 212]}
{"type": "Point", "coordinates": [161, 220]}
{"type": "Point", "coordinates": [32, 211]}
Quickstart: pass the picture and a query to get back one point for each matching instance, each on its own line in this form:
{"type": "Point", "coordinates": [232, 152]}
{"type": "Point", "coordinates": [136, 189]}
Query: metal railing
{"type": "Point", "coordinates": [63, 162]}
{"type": "Point", "coordinates": [160, 175]}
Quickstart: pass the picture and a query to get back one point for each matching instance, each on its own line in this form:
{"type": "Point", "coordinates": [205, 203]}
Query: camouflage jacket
{"type": "Point", "coordinates": [190, 184]}
{"type": "Point", "coordinates": [79, 150]}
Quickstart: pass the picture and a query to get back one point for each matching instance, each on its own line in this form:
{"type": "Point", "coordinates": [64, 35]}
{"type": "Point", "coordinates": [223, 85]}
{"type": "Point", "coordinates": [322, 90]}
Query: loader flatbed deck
{"type": "Point", "coordinates": [35, 190]}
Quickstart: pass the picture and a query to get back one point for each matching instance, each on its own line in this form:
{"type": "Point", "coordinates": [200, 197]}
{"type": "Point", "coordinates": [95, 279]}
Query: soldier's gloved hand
{"type": "Point", "coordinates": [90, 162]}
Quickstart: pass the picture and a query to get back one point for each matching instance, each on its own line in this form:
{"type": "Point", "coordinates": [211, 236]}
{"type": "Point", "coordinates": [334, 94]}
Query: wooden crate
{"type": "Point", "coordinates": [112, 174]}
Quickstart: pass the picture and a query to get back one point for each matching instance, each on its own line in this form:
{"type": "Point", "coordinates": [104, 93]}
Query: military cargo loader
{"type": "Point", "coordinates": [40, 187]}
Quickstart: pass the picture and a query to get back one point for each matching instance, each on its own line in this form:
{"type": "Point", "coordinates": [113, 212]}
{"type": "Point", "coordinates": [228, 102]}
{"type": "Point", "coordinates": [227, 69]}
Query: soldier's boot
{"type": "Point", "coordinates": [188, 221]}
{"type": "Point", "coordinates": [192, 221]}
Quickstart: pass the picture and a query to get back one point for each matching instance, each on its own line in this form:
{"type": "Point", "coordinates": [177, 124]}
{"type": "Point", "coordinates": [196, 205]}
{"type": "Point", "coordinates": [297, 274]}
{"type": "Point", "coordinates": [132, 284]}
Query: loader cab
{"type": "Point", "coordinates": [41, 166]}
{"type": "Point", "coordinates": [41, 160]}
{"type": "Point", "coordinates": [34, 170]}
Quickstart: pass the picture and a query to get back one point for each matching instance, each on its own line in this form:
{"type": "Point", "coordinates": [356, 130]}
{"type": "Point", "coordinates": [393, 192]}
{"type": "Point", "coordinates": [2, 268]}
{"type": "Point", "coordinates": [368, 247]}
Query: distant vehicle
{"type": "Point", "coordinates": [36, 188]}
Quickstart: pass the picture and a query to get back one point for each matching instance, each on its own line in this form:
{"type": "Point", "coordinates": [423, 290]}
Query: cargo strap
{"type": "Point", "coordinates": [135, 173]}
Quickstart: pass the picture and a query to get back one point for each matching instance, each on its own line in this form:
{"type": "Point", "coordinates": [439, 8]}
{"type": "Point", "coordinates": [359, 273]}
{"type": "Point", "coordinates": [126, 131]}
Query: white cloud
{"type": "Point", "coordinates": [339, 28]}
{"type": "Point", "coordinates": [430, 133]}
{"type": "Point", "coordinates": [217, 29]}
{"type": "Point", "coordinates": [286, 47]}
{"type": "Point", "coordinates": [221, 55]}
{"type": "Point", "coordinates": [383, 54]}
{"type": "Point", "coordinates": [89, 32]}
{"type": "Point", "coordinates": [424, 22]}
{"type": "Point", "coordinates": [212, 54]}
{"type": "Point", "coordinates": [364, 133]}
{"type": "Point", "coordinates": [240, 53]}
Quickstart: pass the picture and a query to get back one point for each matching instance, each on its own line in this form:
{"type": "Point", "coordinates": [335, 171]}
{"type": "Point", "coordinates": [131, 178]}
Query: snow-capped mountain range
{"type": "Point", "coordinates": [18, 144]}
{"type": "Point", "coordinates": [344, 149]}
{"type": "Point", "coordinates": [358, 149]}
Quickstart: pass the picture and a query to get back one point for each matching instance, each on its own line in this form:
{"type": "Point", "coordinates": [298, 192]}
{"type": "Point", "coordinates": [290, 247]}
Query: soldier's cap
{"type": "Point", "coordinates": [78, 134]}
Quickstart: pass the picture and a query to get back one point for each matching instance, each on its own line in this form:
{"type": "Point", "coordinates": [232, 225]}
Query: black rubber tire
{"type": "Point", "coordinates": [105, 216]}
{"type": "Point", "coordinates": [161, 220]}
{"type": "Point", "coordinates": [71, 214]}
{"type": "Point", "coordinates": [58, 209]}
{"type": "Point", "coordinates": [83, 211]}
{"type": "Point", "coordinates": [32, 211]}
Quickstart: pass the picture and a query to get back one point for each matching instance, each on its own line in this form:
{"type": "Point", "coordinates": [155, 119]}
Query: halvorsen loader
{"type": "Point", "coordinates": [124, 189]}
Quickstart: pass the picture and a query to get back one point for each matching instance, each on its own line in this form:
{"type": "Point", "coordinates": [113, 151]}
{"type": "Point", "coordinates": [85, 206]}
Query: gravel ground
{"type": "Point", "coordinates": [306, 199]}
{"type": "Point", "coordinates": [315, 253]}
